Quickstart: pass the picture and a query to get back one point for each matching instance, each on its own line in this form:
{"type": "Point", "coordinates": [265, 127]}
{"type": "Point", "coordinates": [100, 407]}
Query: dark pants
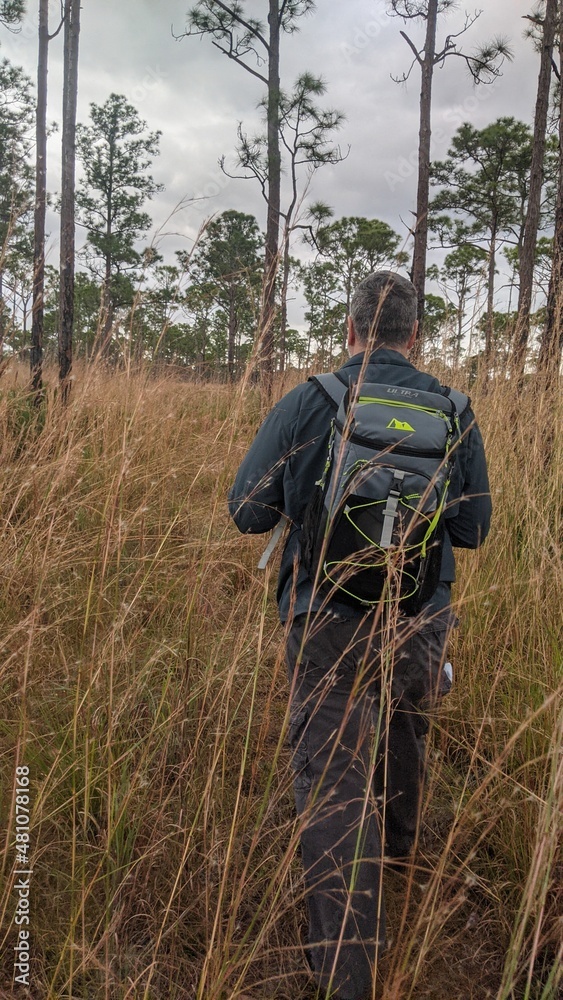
{"type": "Point", "coordinates": [357, 733]}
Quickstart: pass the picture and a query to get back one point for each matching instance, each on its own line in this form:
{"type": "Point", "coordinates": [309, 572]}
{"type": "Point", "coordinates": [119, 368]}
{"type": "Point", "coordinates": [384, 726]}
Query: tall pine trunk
{"type": "Point", "coordinates": [106, 306]}
{"type": "Point", "coordinates": [106, 298]}
{"type": "Point", "coordinates": [232, 334]}
{"type": "Point", "coordinates": [551, 347]}
{"type": "Point", "coordinates": [286, 264]}
{"type": "Point", "coordinates": [268, 309]}
{"type": "Point", "coordinates": [283, 311]}
{"type": "Point", "coordinates": [36, 352]}
{"type": "Point", "coordinates": [2, 315]}
{"type": "Point", "coordinates": [490, 314]}
{"type": "Point", "coordinates": [70, 91]}
{"type": "Point", "coordinates": [531, 225]}
{"type": "Point", "coordinates": [106, 303]}
{"type": "Point", "coordinates": [459, 332]}
{"type": "Point", "coordinates": [422, 195]}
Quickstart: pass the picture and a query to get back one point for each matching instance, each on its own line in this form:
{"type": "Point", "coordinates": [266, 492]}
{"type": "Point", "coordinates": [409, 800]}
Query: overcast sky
{"type": "Point", "coordinates": [196, 96]}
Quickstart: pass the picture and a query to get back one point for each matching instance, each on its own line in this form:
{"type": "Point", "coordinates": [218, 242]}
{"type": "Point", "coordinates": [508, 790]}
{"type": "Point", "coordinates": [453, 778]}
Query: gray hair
{"type": "Point", "coordinates": [383, 308]}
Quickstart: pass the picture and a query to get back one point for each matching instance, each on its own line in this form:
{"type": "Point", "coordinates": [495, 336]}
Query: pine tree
{"type": "Point", "coordinates": [551, 349]}
{"type": "Point", "coordinates": [11, 12]}
{"type": "Point", "coordinates": [355, 246]}
{"type": "Point", "coordinates": [528, 250]}
{"type": "Point", "coordinates": [256, 48]}
{"type": "Point", "coordinates": [17, 113]}
{"type": "Point", "coordinates": [70, 93]}
{"type": "Point", "coordinates": [483, 65]}
{"type": "Point", "coordinates": [484, 183]}
{"type": "Point", "coordinates": [306, 132]}
{"type": "Point", "coordinates": [116, 152]}
{"type": "Point", "coordinates": [228, 262]}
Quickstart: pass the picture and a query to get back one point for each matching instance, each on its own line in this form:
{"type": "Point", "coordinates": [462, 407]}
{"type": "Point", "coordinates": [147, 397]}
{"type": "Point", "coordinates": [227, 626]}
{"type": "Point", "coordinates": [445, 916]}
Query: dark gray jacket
{"type": "Point", "coordinates": [287, 456]}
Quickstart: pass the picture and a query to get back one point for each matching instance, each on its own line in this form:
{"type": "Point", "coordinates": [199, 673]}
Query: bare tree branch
{"type": "Point", "coordinates": [413, 47]}
{"type": "Point", "coordinates": [58, 30]}
{"type": "Point", "coordinates": [405, 76]}
{"type": "Point", "coordinates": [230, 55]}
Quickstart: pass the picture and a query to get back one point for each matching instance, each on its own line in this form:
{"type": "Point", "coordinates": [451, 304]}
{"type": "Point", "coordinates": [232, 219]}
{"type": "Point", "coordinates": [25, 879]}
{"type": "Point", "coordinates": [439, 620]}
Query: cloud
{"type": "Point", "coordinates": [196, 97]}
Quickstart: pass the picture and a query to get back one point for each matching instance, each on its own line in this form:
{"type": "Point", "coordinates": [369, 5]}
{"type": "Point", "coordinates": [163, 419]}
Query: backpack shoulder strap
{"type": "Point", "coordinates": [332, 386]}
{"type": "Point", "coordinates": [459, 399]}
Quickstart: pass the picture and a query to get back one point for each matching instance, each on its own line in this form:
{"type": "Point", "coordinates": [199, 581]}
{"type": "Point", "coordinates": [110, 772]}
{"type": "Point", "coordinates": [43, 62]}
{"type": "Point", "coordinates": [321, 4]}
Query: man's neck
{"type": "Point", "coordinates": [399, 348]}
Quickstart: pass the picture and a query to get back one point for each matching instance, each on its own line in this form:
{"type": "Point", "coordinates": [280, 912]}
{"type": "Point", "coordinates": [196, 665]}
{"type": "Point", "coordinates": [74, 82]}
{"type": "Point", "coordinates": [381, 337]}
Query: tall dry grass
{"type": "Point", "coordinates": [143, 684]}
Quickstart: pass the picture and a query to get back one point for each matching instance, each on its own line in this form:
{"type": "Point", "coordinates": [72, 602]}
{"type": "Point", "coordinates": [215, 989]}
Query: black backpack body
{"type": "Point", "coordinates": [373, 529]}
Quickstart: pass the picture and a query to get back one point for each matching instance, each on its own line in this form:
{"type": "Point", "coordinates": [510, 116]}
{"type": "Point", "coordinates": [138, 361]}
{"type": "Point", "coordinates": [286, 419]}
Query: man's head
{"type": "Point", "coordinates": [382, 313]}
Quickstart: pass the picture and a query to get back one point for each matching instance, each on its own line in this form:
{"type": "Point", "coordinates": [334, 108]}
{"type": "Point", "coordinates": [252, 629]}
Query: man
{"type": "Point", "coordinates": [352, 671]}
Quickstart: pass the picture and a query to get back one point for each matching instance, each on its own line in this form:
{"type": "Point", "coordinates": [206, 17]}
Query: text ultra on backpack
{"type": "Point", "coordinates": [373, 529]}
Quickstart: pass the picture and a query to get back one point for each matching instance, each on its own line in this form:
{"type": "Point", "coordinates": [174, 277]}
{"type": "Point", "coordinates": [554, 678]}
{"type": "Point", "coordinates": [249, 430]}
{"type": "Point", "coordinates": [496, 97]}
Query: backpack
{"type": "Point", "coordinates": [373, 529]}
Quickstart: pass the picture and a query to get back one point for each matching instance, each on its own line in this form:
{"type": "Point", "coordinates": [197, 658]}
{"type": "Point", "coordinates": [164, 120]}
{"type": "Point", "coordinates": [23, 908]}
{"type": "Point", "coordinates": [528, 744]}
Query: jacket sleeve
{"type": "Point", "coordinates": [469, 517]}
{"type": "Point", "coordinates": [256, 499]}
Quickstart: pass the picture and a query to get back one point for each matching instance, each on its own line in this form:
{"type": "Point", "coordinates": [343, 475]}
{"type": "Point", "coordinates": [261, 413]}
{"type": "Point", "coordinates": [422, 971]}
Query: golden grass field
{"type": "Point", "coordinates": [143, 685]}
